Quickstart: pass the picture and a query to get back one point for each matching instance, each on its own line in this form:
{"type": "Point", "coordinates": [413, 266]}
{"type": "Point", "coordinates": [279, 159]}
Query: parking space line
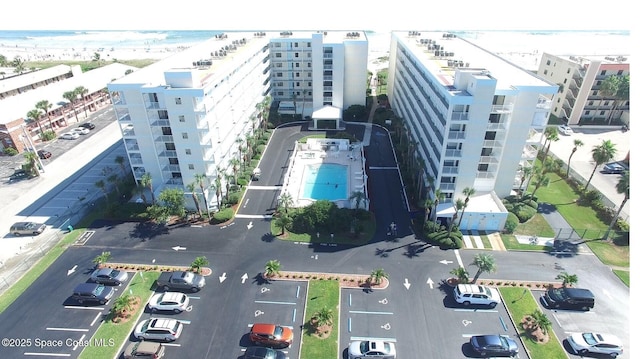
{"type": "Point", "coordinates": [476, 310]}
{"type": "Point", "coordinates": [171, 345]}
{"type": "Point", "coordinates": [89, 308]}
{"type": "Point", "coordinates": [79, 341]}
{"type": "Point", "coordinates": [373, 339]}
{"type": "Point", "coordinates": [95, 319]}
{"type": "Point", "coordinates": [69, 329]}
{"type": "Point", "coordinates": [272, 302]}
{"type": "Point", "coordinates": [365, 312]}
{"type": "Point", "coordinates": [48, 354]}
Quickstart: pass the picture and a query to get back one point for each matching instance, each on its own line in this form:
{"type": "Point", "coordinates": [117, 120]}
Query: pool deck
{"type": "Point", "coordinates": [320, 151]}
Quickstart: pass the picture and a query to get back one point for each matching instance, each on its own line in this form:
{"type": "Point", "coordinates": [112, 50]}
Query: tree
{"type": "Point", "coordinates": [285, 201]}
{"type": "Point", "coordinates": [100, 184]}
{"type": "Point", "coordinates": [358, 197]}
{"type": "Point", "coordinates": [622, 187]}
{"type": "Point", "coordinates": [552, 136]}
{"type": "Point", "coordinates": [272, 268]}
{"type": "Point", "coordinates": [72, 96]}
{"type": "Point", "coordinates": [527, 173]}
{"type": "Point", "coordinates": [576, 143]}
{"type": "Point", "coordinates": [616, 87]}
{"type": "Point", "coordinates": [541, 321]}
{"type": "Point", "coordinates": [158, 213]}
{"type": "Point", "coordinates": [377, 275]}
{"type": "Point", "coordinates": [147, 182]}
{"type": "Point", "coordinates": [438, 196]}
{"type": "Point", "coordinates": [82, 91]}
{"type": "Point", "coordinates": [32, 163]}
{"type": "Point", "coordinates": [102, 258]}
{"type": "Point", "coordinates": [18, 64]}
{"type": "Point", "coordinates": [217, 185]}
{"type": "Point", "coordinates": [198, 263]}
{"type": "Point", "coordinates": [567, 279]}
{"type": "Point", "coordinates": [201, 179]}
{"type": "Point", "coordinates": [284, 222]}
{"type": "Point", "coordinates": [235, 167]}
{"type": "Point", "coordinates": [541, 179]}
{"type": "Point", "coordinates": [191, 187]}
{"type": "Point", "coordinates": [462, 276]}
{"type": "Point", "coordinates": [467, 192]}
{"type": "Point", "coordinates": [458, 205]}
{"type": "Point", "coordinates": [322, 317]}
{"type": "Point", "coordinates": [35, 116]}
{"type": "Point", "coordinates": [122, 304]}
{"type": "Point", "coordinates": [601, 154]}
{"type": "Point", "coordinates": [485, 263]}
{"type": "Point", "coordinates": [45, 106]}
{"type": "Point", "coordinates": [428, 205]}
{"type": "Point", "coordinates": [114, 180]}
{"type": "Point", "coordinates": [173, 199]}
{"type": "Point", "coordinates": [120, 161]}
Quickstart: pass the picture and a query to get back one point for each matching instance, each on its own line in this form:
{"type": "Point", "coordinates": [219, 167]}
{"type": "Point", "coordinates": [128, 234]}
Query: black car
{"type": "Point", "coordinates": [88, 125]}
{"type": "Point", "coordinates": [263, 353]}
{"type": "Point", "coordinates": [92, 293]}
{"type": "Point", "coordinates": [19, 174]}
{"type": "Point", "coordinates": [44, 154]}
{"type": "Point", "coordinates": [614, 168]}
{"type": "Point", "coordinates": [569, 298]}
{"type": "Point", "coordinates": [493, 344]}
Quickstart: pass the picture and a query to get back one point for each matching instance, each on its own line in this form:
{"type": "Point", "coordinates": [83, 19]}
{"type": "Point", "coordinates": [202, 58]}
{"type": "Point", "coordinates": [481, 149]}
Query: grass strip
{"type": "Point", "coordinates": [105, 341]}
{"type": "Point", "coordinates": [520, 303]}
{"type": "Point", "coordinates": [321, 294]}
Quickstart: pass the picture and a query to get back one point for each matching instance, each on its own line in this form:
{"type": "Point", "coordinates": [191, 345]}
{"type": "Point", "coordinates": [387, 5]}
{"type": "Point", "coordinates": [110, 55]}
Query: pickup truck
{"type": "Point", "coordinates": [180, 280]}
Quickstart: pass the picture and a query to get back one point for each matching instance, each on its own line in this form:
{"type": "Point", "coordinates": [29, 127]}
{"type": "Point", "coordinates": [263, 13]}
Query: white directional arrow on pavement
{"type": "Point", "coordinates": [244, 277]}
{"type": "Point", "coordinates": [430, 283]}
{"type": "Point", "coordinates": [70, 271]}
{"type": "Point", "coordinates": [223, 277]}
{"type": "Point", "coordinates": [406, 283]}
{"type": "Point", "coordinates": [249, 225]}
{"type": "Point", "coordinates": [444, 261]}
{"type": "Point", "coordinates": [178, 248]}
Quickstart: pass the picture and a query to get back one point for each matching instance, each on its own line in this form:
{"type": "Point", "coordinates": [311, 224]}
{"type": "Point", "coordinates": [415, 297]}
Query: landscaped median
{"type": "Point", "coordinates": [140, 287]}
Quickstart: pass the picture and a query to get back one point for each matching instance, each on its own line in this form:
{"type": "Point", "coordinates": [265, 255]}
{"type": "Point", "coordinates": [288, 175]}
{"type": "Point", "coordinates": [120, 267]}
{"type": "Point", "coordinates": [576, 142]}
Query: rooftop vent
{"type": "Point", "coordinates": [221, 36]}
{"type": "Point", "coordinates": [259, 34]}
{"type": "Point", "coordinates": [353, 34]}
{"type": "Point", "coordinates": [286, 33]}
{"type": "Point", "coordinates": [448, 36]}
{"type": "Point", "coordinates": [414, 33]}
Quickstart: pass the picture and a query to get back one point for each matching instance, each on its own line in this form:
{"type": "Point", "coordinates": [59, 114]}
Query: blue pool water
{"type": "Point", "coordinates": [325, 181]}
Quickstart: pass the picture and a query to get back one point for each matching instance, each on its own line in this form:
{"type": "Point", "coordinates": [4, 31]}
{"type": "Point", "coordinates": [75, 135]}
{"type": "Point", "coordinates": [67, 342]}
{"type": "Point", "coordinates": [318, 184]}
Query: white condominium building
{"type": "Point", "coordinates": [475, 119]}
{"type": "Point", "coordinates": [185, 116]}
{"type": "Point", "coordinates": [581, 99]}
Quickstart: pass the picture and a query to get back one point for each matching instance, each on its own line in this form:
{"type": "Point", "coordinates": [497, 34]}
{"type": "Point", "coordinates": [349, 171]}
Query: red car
{"type": "Point", "coordinates": [271, 335]}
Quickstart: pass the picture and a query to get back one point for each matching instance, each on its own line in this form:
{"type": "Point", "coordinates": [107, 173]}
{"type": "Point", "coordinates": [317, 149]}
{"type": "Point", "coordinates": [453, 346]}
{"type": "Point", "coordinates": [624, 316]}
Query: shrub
{"type": "Point", "coordinates": [48, 135]}
{"type": "Point", "coordinates": [10, 151]}
{"type": "Point", "coordinates": [222, 216]}
{"type": "Point", "coordinates": [524, 213]}
{"type": "Point", "coordinates": [511, 223]}
{"type": "Point", "coordinates": [234, 198]}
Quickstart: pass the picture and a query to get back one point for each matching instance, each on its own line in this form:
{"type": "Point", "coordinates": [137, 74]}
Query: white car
{"type": "Point", "coordinates": [372, 349]}
{"type": "Point", "coordinates": [565, 130]}
{"type": "Point", "coordinates": [583, 343]}
{"type": "Point", "coordinates": [69, 136]}
{"type": "Point", "coordinates": [161, 329]}
{"type": "Point", "coordinates": [81, 130]}
{"type": "Point", "coordinates": [169, 301]}
{"type": "Point", "coordinates": [469, 294]}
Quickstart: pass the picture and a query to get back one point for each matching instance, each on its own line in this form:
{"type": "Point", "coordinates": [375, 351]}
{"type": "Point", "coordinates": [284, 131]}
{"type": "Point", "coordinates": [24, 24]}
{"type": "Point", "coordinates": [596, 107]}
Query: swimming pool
{"type": "Point", "coordinates": [324, 181]}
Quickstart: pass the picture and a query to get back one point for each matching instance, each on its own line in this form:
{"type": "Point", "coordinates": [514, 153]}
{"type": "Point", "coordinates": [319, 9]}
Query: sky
{"type": "Point", "coordinates": [373, 15]}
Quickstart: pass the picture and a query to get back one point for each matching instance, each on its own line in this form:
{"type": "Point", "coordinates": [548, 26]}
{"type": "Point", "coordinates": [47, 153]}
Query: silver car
{"type": "Point", "coordinates": [372, 349]}
{"type": "Point", "coordinates": [160, 329]}
{"type": "Point", "coordinates": [169, 301]}
{"type": "Point", "coordinates": [109, 276]}
{"type": "Point", "coordinates": [27, 228]}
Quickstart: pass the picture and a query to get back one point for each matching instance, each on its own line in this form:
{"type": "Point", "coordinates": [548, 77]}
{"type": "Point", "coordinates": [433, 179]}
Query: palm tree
{"type": "Point", "coordinates": [467, 192]}
{"type": "Point", "coordinates": [622, 187]}
{"type": "Point", "coordinates": [147, 182]}
{"type": "Point", "coordinates": [358, 197]}
{"type": "Point", "coordinates": [462, 276]}
{"type": "Point", "coordinates": [120, 161]}
{"type": "Point", "coordinates": [527, 173]}
{"type": "Point", "coordinates": [122, 304]}
{"type": "Point", "coordinates": [284, 222]}
{"type": "Point", "coordinates": [100, 184]}
{"type": "Point", "coordinates": [217, 185]}
{"type": "Point", "coordinates": [438, 196]}
{"type": "Point", "coordinates": [485, 263]}
{"type": "Point", "coordinates": [102, 258]}
{"type": "Point", "coordinates": [35, 115]}
{"type": "Point", "coordinates": [272, 268]}
{"type": "Point", "coordinates": [541, 321]}
{"type": "Point", "coordinates": [616, 87]}
{"type": "Point", "coordinates": [32, 162]}
{"type": "Point", "coordinates": [71, 96]}
{"type": "Point", "coordinates": [552, 136]}
{"type": "Point", "coordinates": [114, 179]}
{"type": "Point", "coordinates": [377, 275]}
{"type": "Point", "coordinates": [567, 279]}
{"type": "Point", "coordinates": [82, 91]}
{"type": "Point", "coordinates": [191, 187]}
{"type": "Point", "coordinates": [45, 106]}
{"type": "Point", "coordinates": [18, 64]}
{"type": "Point", "coordinates": [285, 201]}
{"type": "Point", "coordinates": [201, 179]}
{"type": "Point", "coordinates": [601, 154]}
{"type": "Point", "coordinates": [458, 205]}
{"type": "Point", "coordinates": [322, 317]}
{"type": "Point", "coordinates": [428, 204]}
{"type": "Point", "coordinates": [576, 143]}
{"type": "Point", "coordinates": [235, 167]}
{"type": "Point", "coordinates": [199, 262]}
{"type": "Point", "coordinates": [542, 179]}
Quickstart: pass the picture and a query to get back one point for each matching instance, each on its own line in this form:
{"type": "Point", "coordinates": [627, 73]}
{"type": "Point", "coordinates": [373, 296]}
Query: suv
{"type": "Point", "coordinates": [92, 292]}
{"type": "Point", "coordinates": [87, 125]}
{"type": "Point", "coordinates": [476, 294]}
{"type": "Point", "coordinates": [271, 335]}
{"type": "Point", "coordinates": [27, 228]}
{"type": "Point", "coordinates": [163, 329]}
{"type": "Point", "coordinates": [175, 301]}
{"type": "Point", "coordinates": [144, 350]}
{"type": "Point", "coordinates": [569, 298]}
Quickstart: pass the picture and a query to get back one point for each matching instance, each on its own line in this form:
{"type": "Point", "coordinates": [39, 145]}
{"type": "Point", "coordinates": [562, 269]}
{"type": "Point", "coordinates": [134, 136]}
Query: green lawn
{"type": "Point", "coordinates": [520, 302]}
{"type": "Point", "coordinates": [141, 285]}
{"type": "Point", "coordinates": [321, 294]}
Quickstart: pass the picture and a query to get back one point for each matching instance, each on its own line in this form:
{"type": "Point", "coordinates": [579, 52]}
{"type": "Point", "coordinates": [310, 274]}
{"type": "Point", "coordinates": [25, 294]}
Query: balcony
{"type": "Point", "coordinates": [128, 132]}
{"type": "Point", "coordinates": [450, 170]}
{"type": "Point", "coordinates": [457, 135]}
{"type": "Point", "coordinates": [133, 147]}
{"type": "Point", "coordinates": [160, 122]}
{"type": "Point", "coordinates": [125, 118]}
{"type": "Point", "coordinates": [453, 153]}
{"type": "Point", "coordinates": [171, 168]}
{"type": "Point", "coordinates": [459, 116]}
{"type": "Point", "coordinates": [174, 182]}
{"type": "Point", "coordinates": [501, 108]}
{"type": "Point", "coordinates": [152, 105]}
{"type": "Point", "coordinates": [164, 138]}
{"type": "Point", "coordinates": [168, 153]}
{"type": "Point", "coordinates": [543, 103]}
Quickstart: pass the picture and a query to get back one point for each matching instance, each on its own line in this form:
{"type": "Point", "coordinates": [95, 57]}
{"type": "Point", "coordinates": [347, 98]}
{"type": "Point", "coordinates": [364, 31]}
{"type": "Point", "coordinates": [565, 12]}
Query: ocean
{"type": "Point", "coordinates": [585, 42]}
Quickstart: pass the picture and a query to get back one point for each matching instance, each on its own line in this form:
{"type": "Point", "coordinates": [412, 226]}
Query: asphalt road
{"type": "Point", "coordinates": [416, 311]}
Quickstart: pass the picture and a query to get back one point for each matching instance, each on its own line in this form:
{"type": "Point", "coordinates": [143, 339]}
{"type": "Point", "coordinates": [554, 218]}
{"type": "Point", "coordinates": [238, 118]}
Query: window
{"type": "Point", "coordinates": [297, 54]}
{"type": "Point", "coordinates": [620, 72]}
{"type": "Point", "coordinates": [187, 151]}
{"type": "Point", "coordinates": [483, 167]}
{"type": "Point", "coordinates": [278, 55]}
{"type": "Point", "coordinates": [568, 70]}
{"type": "Point", "coordinates": [185, 135]}
{"type": "Point", "coordinates": [545, 72]}
{"type": "Point", "coordinates": [278, 64]}
{"type": "Point", "coordinates": [298, 84]}
{"type": "Point", "coordinates": [178, 100]}
{"type": "Point", "coordinates": [598, 83]}
{"type": "Point", "coordinates": [587, 112]}
{"type": "Point", "coordinates": [601, 113]}
{"type": "Point", "coordinates": [170, 146]}
{"type": "Point", "coordinates": [565, 81]}
{"type": "Point", "coordinates": [548, 62]}
{"type": "Point", "coordinates": [166, 131]}
{"type": "Point", "coordinates": [603, 72]}
{"type": "Point", "coordinates": [297, 64]}
{"type": "Point", "coordinates": [173, 161]}
{"type": "Point", "coordinates": [295, 44]}
{"type": "Point", "coordinates": [594, 93]}
{"type": "Point", "coordinates": [181, 118]}
{"type": "Point", "coordinates": [191, 166]}
{"type": "Point", "coordinates": [590, 103]}
{"type": "Point", "coordinates": [278, 74]}
{"type": "Point", "coordinates": [297, 74]}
